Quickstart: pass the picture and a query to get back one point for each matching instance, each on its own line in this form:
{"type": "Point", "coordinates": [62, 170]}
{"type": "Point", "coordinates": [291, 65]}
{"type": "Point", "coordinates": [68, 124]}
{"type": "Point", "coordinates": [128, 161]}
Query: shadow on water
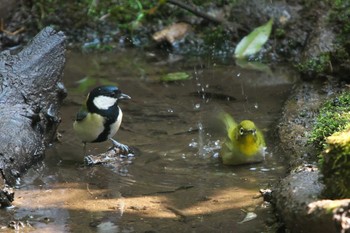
{"type": "Point", "coordinates": [175, 183]}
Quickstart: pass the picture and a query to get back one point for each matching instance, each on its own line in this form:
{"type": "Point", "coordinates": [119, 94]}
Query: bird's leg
{"type": "Point", "coordinates": [124, 148]}
{"type": "Point", "coordinates": [84, 145]}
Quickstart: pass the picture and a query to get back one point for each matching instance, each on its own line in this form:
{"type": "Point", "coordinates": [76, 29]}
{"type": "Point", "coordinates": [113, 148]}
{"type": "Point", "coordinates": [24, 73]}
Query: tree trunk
{"type": "Point", "coordinates": [31, 94]}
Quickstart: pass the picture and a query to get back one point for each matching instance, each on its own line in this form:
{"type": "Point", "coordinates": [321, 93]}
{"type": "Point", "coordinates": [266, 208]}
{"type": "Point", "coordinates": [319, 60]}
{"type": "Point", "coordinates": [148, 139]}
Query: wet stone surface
{"type": "Point", "coordinates": [175, 182]}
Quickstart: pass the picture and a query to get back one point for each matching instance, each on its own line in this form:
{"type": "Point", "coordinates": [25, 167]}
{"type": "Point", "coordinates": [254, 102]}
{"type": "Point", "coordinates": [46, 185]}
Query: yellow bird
{"type": "Point", "coordinates": [244, 143]}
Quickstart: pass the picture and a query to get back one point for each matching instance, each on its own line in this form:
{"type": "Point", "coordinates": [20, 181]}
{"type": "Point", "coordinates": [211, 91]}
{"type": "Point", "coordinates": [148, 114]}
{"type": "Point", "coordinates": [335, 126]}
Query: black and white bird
{"type": "Point", "coordinates": [100, 117]}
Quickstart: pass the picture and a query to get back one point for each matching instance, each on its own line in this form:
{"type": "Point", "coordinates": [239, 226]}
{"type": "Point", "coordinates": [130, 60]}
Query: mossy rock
{"type": "Point", "coordinates": [334, 116]}
{"type": "Point", "coordinates": [335, 165]}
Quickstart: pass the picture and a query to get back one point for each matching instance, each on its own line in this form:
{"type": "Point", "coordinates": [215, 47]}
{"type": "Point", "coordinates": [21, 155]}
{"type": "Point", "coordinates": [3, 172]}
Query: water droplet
{"type": "Point", "coordinates": [256, 106]}
{"type": "Point", "coordinates": [123, 170]}
{"type": "Point", "coordinates": [193, 144]}
{"type": "Point", "coordinates": [200, 126]}
{"type": "Point", "coordinates": [18, 181]}
{"type": "Point", "coordinates": [239, 74]}
{"type": "Point", "coordinates": [170, 110]}
{"type": "Point", "coordinates": [197, 106]}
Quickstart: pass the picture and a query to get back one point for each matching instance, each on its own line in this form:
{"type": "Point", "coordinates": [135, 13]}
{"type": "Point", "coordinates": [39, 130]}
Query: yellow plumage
{"type": "Point", "coordinates": [90, 127]}
{"type": "Point", "coordinates": [244, 143]}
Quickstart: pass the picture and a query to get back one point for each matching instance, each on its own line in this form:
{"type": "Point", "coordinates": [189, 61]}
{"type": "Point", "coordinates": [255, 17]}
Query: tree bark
{"type": "Point", "coordinates": [31, 94]}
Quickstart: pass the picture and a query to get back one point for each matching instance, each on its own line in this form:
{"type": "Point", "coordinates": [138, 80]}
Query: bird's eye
{"type": "Point", "coordinates": [241, 131]}
{"type": "Point", "coordinates": [115, 94]}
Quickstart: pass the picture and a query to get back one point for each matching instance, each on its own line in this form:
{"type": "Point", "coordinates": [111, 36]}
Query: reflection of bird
{"type": "Point", "coordinates": [244, 143]}
{"type": "Point", "coordinates": [100, 117]}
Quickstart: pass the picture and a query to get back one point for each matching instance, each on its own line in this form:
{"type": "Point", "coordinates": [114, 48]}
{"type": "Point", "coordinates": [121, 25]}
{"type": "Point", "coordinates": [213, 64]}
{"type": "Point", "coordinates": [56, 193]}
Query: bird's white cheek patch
{"type": "Point", "coordinates": [104, 102]}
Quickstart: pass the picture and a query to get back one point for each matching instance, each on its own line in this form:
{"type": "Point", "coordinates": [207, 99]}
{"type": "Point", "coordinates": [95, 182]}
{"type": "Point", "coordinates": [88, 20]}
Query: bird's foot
{"type": "Point", "coordinates": [89, 161]}
{"type": "Point", "coordinates": [124, 149]}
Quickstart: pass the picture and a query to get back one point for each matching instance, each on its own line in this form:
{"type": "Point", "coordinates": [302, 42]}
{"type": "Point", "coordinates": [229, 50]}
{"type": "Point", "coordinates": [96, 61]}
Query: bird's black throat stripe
{"type": "Point", "coordinates": [110, 118]}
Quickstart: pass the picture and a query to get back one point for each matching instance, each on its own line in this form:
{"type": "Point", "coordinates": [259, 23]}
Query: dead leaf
{"type": "Point", "coordinates": [172, 33]}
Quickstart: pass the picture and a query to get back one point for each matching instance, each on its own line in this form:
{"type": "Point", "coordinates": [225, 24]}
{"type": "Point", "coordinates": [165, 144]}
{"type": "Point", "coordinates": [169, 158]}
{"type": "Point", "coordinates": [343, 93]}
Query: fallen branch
{"type": "Point", "coordinates": [196, 11]}
{"type": "Point", "coordinates": [231, 26]}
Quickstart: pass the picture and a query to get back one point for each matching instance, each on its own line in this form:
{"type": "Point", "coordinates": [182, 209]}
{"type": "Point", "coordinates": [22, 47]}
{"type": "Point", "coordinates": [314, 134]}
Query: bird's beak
{"type": "Point", "coordinates": [124, 97]}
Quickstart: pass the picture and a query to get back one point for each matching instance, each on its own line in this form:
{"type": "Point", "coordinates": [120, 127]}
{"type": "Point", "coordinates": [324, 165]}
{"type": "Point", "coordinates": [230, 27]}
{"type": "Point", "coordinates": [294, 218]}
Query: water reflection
{"type": "Point", "coordinates": [175, 181]}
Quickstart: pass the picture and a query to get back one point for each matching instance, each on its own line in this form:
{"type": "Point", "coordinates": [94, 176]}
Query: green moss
{"type": "Point", "coordinates": [339, 16]}
{"type": "Point", "coordinates": [331, 133]}
{"type": "Point", "coordinates": [215, 41]}
{"type": "Point", "coordinates": [280, 32]}
{"type": "Point", "coordinates": [215, 36]}
{"type": "Point", "coordinates": [316, 65]}
{"type": "Point", "coordinates": [334, 116]}
{"type": "Point", "coordinates": [335, 165]}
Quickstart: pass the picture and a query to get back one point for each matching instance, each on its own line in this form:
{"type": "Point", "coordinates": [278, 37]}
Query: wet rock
{"type": "Point", "coordinates": [306, 98]}
{"type": "Point", "coordinates": [292, 197]}
{"type": "Point", "coordinates": [297, 197]}
{"type": "Point", "coordinates": [267, 194]}
{"type": "Point", "coordinates": [30, 98]}
{"type": "Point", "coordinates": [333, 214]}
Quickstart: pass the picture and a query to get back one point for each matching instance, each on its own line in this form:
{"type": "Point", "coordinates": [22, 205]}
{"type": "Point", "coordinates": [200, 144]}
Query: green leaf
{"type": "Point", "coordinates": [243, 63]}
{"type": "Point", "coordinates": [177, 76]}
{"type": "Point", "coordinates": [253, 42]}
{"type": "Point", "coordinates": [85, 84]}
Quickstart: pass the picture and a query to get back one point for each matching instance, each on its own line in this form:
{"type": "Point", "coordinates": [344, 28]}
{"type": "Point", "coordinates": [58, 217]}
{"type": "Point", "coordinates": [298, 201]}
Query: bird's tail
{"type": "Point", "coordinates": [229, 123]}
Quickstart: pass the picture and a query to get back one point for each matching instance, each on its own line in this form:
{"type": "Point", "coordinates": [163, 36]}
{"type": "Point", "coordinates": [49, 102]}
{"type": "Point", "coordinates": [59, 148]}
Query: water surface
{"type": "Point", "coordinates": [175, 183]}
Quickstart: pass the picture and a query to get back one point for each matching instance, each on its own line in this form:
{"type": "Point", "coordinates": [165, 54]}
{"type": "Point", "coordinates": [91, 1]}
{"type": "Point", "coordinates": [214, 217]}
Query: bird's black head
{"type": "Point", "coordinates": [104, 98]}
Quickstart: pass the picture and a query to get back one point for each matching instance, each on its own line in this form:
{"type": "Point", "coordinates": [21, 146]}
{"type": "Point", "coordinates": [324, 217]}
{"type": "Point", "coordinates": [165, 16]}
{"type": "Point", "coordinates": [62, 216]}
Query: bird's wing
{"type": "Point", "coordinates": [261, 139]}
{"type": "Point", "coordinates": [81, 114]}
{"type": "Point", "coordinates": [229, 123]}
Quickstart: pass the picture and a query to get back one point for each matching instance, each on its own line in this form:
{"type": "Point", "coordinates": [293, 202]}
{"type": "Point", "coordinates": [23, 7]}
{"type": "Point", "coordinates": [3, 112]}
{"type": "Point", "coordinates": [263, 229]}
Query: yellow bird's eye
{"type": "Point", "coordinates": [241, 131]}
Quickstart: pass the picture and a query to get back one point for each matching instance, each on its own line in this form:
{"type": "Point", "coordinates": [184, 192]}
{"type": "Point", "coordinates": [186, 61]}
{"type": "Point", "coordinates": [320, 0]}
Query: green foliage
{"type": "Point", "coordinates": [280, 32]}
{"type": "Point", "coordinates": [253, 42]}
{"type": "Point", "coordinates": [215, 38]}
{"type": "Point", "coordinates": [88, 82]}
{"type": "Point", "coordinates": [339, 15]}
{"type": "Point", "coordinates": [127, 13]}
{"type": "Point", "coordinates": [317, 65]}
{"type": "Point", "coordinates": [335, 165]}
{"type": "Point", "coordinates": [331, 133]}
{"type": "Point", "coordinates": [176, 76]}
{"type": "Point", "coordinates": [333, 116]}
